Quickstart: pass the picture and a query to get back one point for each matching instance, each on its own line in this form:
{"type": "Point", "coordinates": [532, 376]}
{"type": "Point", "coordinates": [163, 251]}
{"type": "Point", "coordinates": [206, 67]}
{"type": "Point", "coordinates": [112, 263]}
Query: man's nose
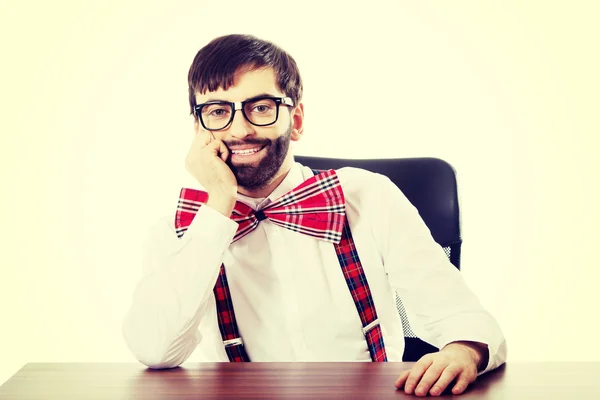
{"type": "Point", "coordinates": [240, 127]}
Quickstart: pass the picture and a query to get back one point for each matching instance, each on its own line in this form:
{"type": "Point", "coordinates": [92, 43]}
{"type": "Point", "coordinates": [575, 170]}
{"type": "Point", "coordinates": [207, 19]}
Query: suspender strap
{"type": "Point", "coordinates": [361, 294]}
{"type": "Point", "coordinates": [232, 340]}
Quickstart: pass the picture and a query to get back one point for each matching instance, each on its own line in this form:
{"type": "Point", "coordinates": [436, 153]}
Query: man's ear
{"type": "Point", "coordinates": [196, 125]}
{"type": "Point", "coordinates": [297, 122]}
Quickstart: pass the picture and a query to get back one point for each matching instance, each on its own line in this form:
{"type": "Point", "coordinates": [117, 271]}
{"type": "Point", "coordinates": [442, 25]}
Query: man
{"type": "Point", "coordinates": [312, 287]}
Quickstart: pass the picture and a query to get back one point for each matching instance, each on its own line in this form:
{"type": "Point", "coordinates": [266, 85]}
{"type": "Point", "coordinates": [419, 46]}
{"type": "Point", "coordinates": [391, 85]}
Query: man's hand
{"type": "Point", "coordinates": [205, 161]}
{"type": "Point", "coordinates": [434, 372]}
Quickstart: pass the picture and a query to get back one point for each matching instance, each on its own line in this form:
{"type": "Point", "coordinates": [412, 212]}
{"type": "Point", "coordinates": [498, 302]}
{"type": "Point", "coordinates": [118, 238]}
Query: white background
{"type": "Point", "coordinates": [95, 128]}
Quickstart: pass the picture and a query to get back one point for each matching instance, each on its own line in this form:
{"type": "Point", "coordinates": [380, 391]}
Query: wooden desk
{"type": "Point", "coordinates": [313, 381]}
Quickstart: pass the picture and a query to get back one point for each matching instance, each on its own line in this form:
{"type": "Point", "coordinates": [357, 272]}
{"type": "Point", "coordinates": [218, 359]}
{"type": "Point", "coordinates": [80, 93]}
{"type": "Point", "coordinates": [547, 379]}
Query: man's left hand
{"type": "Point", "coordinates": [434, 372]}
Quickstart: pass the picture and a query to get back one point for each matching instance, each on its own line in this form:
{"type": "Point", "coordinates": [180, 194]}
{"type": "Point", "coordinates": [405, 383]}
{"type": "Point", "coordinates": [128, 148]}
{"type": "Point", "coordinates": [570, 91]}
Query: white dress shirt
{"type": "Point", "coordinates": [290, 298]}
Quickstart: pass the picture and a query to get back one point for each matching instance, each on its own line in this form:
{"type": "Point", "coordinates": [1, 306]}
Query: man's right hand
{"type": "Point", "coordinates": [206, 162]}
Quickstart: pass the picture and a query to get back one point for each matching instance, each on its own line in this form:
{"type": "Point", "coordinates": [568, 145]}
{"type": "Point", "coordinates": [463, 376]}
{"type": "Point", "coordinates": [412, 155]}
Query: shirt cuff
{"type": "Point", "coordinates": [221, 229]}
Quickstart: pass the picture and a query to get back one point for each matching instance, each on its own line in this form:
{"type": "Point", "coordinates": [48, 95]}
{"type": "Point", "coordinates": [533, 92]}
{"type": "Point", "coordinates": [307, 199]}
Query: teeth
{"type": "Point", "coordinates": [246, 152]}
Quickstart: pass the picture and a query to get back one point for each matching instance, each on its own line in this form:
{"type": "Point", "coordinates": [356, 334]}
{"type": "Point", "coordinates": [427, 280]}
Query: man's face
{"type": "Point", "coordinates": [257, 153]}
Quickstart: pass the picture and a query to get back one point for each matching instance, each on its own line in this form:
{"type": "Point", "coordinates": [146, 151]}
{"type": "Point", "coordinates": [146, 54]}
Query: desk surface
{"type": "Point", "coordinates": [314, 381]}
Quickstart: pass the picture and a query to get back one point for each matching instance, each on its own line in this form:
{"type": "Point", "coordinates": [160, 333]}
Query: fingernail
{"type": "Point", "coordinates": [408, 388]}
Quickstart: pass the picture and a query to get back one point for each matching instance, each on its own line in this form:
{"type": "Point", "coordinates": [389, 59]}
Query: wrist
{"type": "Point", "coordinates": [221, 203]}
{"type": "Point", "coordinates": [479, 352]}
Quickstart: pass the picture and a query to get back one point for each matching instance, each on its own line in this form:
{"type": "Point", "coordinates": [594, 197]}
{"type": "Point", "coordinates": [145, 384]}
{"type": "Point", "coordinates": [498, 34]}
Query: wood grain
{"type": "Point", "coordinates": [316, 381]}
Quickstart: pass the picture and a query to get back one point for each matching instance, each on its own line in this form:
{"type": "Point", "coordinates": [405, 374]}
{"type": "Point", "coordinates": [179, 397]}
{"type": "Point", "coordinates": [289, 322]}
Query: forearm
{"type": "Point", "coordinates": [179, 275]}
{"type": "Point", "coordinates": [452, 313]}
{"type": "Point", "coordinates": [160, 327]}
{"type": "Point", "coordinates": [442, 309]}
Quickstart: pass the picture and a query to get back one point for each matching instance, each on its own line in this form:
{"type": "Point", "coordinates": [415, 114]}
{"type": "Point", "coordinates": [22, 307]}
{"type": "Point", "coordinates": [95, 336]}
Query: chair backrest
{"type": "Point", "coordinates": [428, 183]}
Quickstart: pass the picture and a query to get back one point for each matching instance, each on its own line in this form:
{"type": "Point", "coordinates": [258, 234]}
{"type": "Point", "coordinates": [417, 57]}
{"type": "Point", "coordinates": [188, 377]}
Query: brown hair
{"type": "Point", "coordinates": [216, 63]}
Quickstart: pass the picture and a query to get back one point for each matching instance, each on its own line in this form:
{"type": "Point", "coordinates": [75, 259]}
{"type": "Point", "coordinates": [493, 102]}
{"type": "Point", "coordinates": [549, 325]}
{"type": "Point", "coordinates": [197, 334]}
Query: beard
{"type": "Point", "coordinates": [254, 177]}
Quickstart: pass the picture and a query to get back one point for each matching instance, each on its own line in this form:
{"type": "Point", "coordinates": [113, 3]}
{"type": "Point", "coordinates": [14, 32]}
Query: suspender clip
{"type": "Point", "coordinates": [372, 325]}
{"type": "Point", "coordinates": [233, 342]}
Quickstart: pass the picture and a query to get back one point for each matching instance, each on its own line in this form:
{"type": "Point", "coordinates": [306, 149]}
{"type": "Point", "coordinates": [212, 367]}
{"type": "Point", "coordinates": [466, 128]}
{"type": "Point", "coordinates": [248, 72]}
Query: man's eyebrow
{"type": "Point", "coordinates": [214, 100]}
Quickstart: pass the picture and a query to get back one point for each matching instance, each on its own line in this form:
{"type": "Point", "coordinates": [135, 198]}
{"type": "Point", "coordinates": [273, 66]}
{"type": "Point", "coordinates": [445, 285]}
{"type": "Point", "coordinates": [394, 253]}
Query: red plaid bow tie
{"type": "Point", "coordinates": [316, 208]}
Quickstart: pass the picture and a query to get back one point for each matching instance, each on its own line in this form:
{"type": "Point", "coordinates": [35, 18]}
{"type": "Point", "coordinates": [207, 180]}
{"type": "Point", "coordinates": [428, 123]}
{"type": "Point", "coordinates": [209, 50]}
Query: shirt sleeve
{"type": "Point", "coordinates": [432, 290]}
{"type": "Point", "coordinates": [178, 277]}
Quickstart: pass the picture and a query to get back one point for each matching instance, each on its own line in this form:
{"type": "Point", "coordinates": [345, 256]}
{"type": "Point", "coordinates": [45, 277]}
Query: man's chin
{"type": "Point", "coordinates": [253, 177]}
{"type": "Point", "coordinates": [244, 164]}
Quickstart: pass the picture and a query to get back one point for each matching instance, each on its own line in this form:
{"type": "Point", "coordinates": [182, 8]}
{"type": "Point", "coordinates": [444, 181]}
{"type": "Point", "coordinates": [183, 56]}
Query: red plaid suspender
{"type": "Point", "coordinates": [227, 323]}
{"type": "Point", "coordinates": [361, 294]}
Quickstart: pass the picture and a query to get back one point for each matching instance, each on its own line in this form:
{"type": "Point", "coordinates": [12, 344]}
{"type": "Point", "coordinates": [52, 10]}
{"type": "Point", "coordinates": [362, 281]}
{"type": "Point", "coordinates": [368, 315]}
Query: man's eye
{"type": "Point", "coordinates": [261, 108]}
{"type": "Point", "coordinates": [217, 112]}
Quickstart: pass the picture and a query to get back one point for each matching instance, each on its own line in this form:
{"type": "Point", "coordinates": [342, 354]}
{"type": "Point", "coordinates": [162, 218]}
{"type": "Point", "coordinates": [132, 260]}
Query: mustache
{"type": "Point", "coordinates": [261, 142]}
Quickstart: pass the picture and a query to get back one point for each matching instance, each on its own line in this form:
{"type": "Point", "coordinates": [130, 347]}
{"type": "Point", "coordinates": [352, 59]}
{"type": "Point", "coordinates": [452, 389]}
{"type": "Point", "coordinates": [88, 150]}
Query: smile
{"type": "Point", "coordinates": [247, 152]}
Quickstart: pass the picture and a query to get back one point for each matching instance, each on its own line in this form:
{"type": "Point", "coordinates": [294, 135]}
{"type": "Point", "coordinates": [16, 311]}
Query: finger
{"type": "Point", "coordinates": [203, 138]}
{"type": "Point", "coordinates": [444, 380]}
{"type": "Point", "coordinates": [218, 148]}
{"type": "Point", "coordinates": [430, 377]}
{"type": "Point", "coordinates": [416, 373]}
{"type": "Point", "coordinates": [223, 151]}
{"type": "Point", "coordinates": [403, 376]}
{"type": "Point", "coordinates": [464, 379]}
{"type": "Point", "coordinates": [212, 135]}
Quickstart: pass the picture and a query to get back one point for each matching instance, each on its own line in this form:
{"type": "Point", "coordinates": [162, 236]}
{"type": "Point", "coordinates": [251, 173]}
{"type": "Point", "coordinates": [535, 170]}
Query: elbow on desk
{"type": "Point", "coordinates": [156, 360]}
{"type": "Point", "coordinates": [150, 353]}
{"type": "Point", "coordinates": [171, 358]}
{"type": "Point", "coordinates": [158, 364]}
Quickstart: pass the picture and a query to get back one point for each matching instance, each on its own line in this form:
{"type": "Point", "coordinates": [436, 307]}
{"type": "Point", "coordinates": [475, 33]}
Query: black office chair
{"type": "Point", "coordinates": [430, 185]}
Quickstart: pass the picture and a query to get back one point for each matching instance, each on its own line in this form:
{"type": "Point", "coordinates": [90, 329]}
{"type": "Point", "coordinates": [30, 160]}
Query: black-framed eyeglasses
{"type": "Point", "coordinates": [259, 111]}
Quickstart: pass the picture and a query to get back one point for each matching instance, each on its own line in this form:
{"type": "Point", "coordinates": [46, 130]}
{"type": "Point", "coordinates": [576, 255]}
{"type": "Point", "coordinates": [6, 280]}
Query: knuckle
{"type": "Point", "coordinates": [461, 383]}
{"type": "Point", "coordinates": [444, 357]}
{"type": "Point", "coordinates": [412, 380]}
{"type": "Point", "coordinates": [438, 365]}
{"type": "Point", "coordinates": [420, 366]}
{"type": "Point", "coordinates": [424, 362]}
{"type": "Point", "coordinates": [422, 389]}
{"type": "Point", "coordinates": [472, 375]}
{"type": "Point", "coordinates": [426, 382]}
{"type": "Point", "coordinates": [436, 390]}
{"type": "Point", "coordinates": [453, 369]}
